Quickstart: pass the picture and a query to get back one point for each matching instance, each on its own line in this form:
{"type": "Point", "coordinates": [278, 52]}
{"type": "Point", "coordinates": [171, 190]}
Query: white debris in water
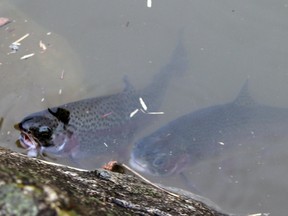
{"type": "Point", "coordinates": [17, 42]}
{"type": "Point", "coordinates": [60, 91]}
{"type": "Point", "coordinates": [105, 144]}
{"type": "Point", "coordinates": [219, 167]}
{"type": "Point", "coordinates": [48, 33]}
{"type": "Point", "coordinates": [42, 46]}
{"type": "Point", "coordinates": [42, 100]}
{"type": "Point", "coordinates": [149, 3]}
{"type": "Point", "coordinates": [155, 113]}
{"type": "Point", "coordinates": [62, 75]}
{"type": "Point", "coordinates": [27, 56]}
{"type": "Point", "coordinates": [143, 104]}
{"type": "Point", "coordinates": [8, 132]}
{"type": "Point", "coordinates": [221, 143]}
{"type": "Point", "coordinates": [133, 113]}
{"type": "Point", "coordinates": [144, 109]}
{"type": "Point", "coordinates": [14, 48]}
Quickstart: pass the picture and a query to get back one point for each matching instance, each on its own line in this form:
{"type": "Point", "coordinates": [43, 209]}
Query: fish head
{"type": "Point", "coordinates": [46, 133]}
{"type": "Point", "coordinates": [155, 155]}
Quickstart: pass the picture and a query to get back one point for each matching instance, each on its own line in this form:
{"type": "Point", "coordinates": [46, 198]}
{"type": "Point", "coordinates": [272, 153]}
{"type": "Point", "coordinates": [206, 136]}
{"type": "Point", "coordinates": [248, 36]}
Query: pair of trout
{"type": "Point", "coordinates": [91, 128]}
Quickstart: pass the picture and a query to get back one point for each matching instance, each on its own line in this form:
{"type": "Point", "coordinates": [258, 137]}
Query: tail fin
{"type": "Point", "coordinates": [178, 63]}
{"type": "Point", "coordinates": [154, 93]}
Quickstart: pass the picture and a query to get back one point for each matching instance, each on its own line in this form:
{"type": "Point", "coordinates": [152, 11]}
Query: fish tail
{"type": "Point", "coordinates": [154, 93]}
{"type": "Point", "coordinates": [178, 63]}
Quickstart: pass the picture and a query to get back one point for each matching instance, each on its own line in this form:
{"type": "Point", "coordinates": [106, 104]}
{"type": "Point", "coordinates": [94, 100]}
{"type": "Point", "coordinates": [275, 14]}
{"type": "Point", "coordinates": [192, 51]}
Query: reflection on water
{"type": "Point", "coordinates": [96, 44]}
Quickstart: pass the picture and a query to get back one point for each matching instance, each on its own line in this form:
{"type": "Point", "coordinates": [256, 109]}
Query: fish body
{"type": "Point", "coordinates": [209, 133]}
{"type": "Point", "coordinates": [91, 128]}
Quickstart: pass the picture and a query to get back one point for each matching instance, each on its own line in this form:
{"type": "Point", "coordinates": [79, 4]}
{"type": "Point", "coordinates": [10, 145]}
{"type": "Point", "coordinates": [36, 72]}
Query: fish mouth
{"type": "Point", "coordinates": [28, 142]}
{"type": "Point", "coordinates": [141, 166]}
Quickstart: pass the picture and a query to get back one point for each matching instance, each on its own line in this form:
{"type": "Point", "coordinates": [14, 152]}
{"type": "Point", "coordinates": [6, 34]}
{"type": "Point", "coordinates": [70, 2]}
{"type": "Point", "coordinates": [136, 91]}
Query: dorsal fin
{"type": "Point", "coordinates": [244, 98]}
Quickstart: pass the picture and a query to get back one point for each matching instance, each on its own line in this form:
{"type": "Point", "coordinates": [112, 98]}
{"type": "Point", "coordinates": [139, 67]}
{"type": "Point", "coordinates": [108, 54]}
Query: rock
{"type": "Point", "coordinates": [30, 186]}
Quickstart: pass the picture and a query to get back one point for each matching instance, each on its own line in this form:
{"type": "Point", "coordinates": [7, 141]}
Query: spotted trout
{"type": "Point", "coordinates": [209, 133]}
{"type": "Point", "coordinates": [90, 128]}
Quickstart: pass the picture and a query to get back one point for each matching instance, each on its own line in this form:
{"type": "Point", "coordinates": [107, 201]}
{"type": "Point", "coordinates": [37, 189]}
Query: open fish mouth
{"type": "Point", "coordinates": [29, 143]}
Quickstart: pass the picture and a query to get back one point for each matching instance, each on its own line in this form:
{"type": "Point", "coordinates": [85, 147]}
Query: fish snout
{"type": "Point", "coordinates": [20, 127]}
{"type": "Point", "coordinates": [23, 125]}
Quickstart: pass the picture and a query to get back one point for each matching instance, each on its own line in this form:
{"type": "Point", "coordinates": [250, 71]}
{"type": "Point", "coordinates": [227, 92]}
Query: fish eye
{"type": "Point", "coordinates": [44, 131]}
{"type": "Point", "coordinates": [159, 160]}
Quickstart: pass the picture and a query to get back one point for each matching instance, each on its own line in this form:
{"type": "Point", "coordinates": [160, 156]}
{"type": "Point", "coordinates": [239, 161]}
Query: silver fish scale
{"type": "Point", "coordinates": [102, 113]}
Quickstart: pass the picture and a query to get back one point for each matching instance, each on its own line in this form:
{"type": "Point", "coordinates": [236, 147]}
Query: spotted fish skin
{"type": "Point", "coordinates": [93, 127]}
{"type": "Point", "coordinates": [209, 133]}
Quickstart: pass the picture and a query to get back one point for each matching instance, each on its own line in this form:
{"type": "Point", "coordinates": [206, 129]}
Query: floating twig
{"type": "Point", "coordinates": [133, 113]}
{"type": "Point", "coordinates": [17, 42]}
{"type": "Point", "coordinates": [27, 56]}
{"type": "Point", "coordinates": [143, 104]}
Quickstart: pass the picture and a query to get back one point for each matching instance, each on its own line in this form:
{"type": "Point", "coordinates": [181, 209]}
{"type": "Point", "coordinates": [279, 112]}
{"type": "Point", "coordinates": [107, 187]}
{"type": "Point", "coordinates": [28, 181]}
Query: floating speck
{"type": "Point", "coordinates": [133, 113]}
{"type": "Point", "coordinates": [62, 75]}
{"type": "Point", "coordinates": [42, 46]}
{"type": "Point", "coordinates": [221, 143]}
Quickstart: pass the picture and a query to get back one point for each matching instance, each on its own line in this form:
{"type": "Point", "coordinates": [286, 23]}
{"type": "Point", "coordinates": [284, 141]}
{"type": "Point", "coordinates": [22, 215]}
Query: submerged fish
{"type": "Point", "coordinates": [94, 127]}
{"type": "Point", "coordinates": [208, 133]}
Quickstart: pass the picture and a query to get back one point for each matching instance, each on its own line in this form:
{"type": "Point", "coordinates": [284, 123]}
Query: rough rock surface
{"type": "Point", "coordinates": [33, 187]}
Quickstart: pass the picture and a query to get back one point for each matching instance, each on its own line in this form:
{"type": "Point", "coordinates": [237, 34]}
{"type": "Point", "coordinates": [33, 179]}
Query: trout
{"type": "Point", "coordinates": [90, 128]}
{"type": "Point", "coordinates": [209, 133]}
